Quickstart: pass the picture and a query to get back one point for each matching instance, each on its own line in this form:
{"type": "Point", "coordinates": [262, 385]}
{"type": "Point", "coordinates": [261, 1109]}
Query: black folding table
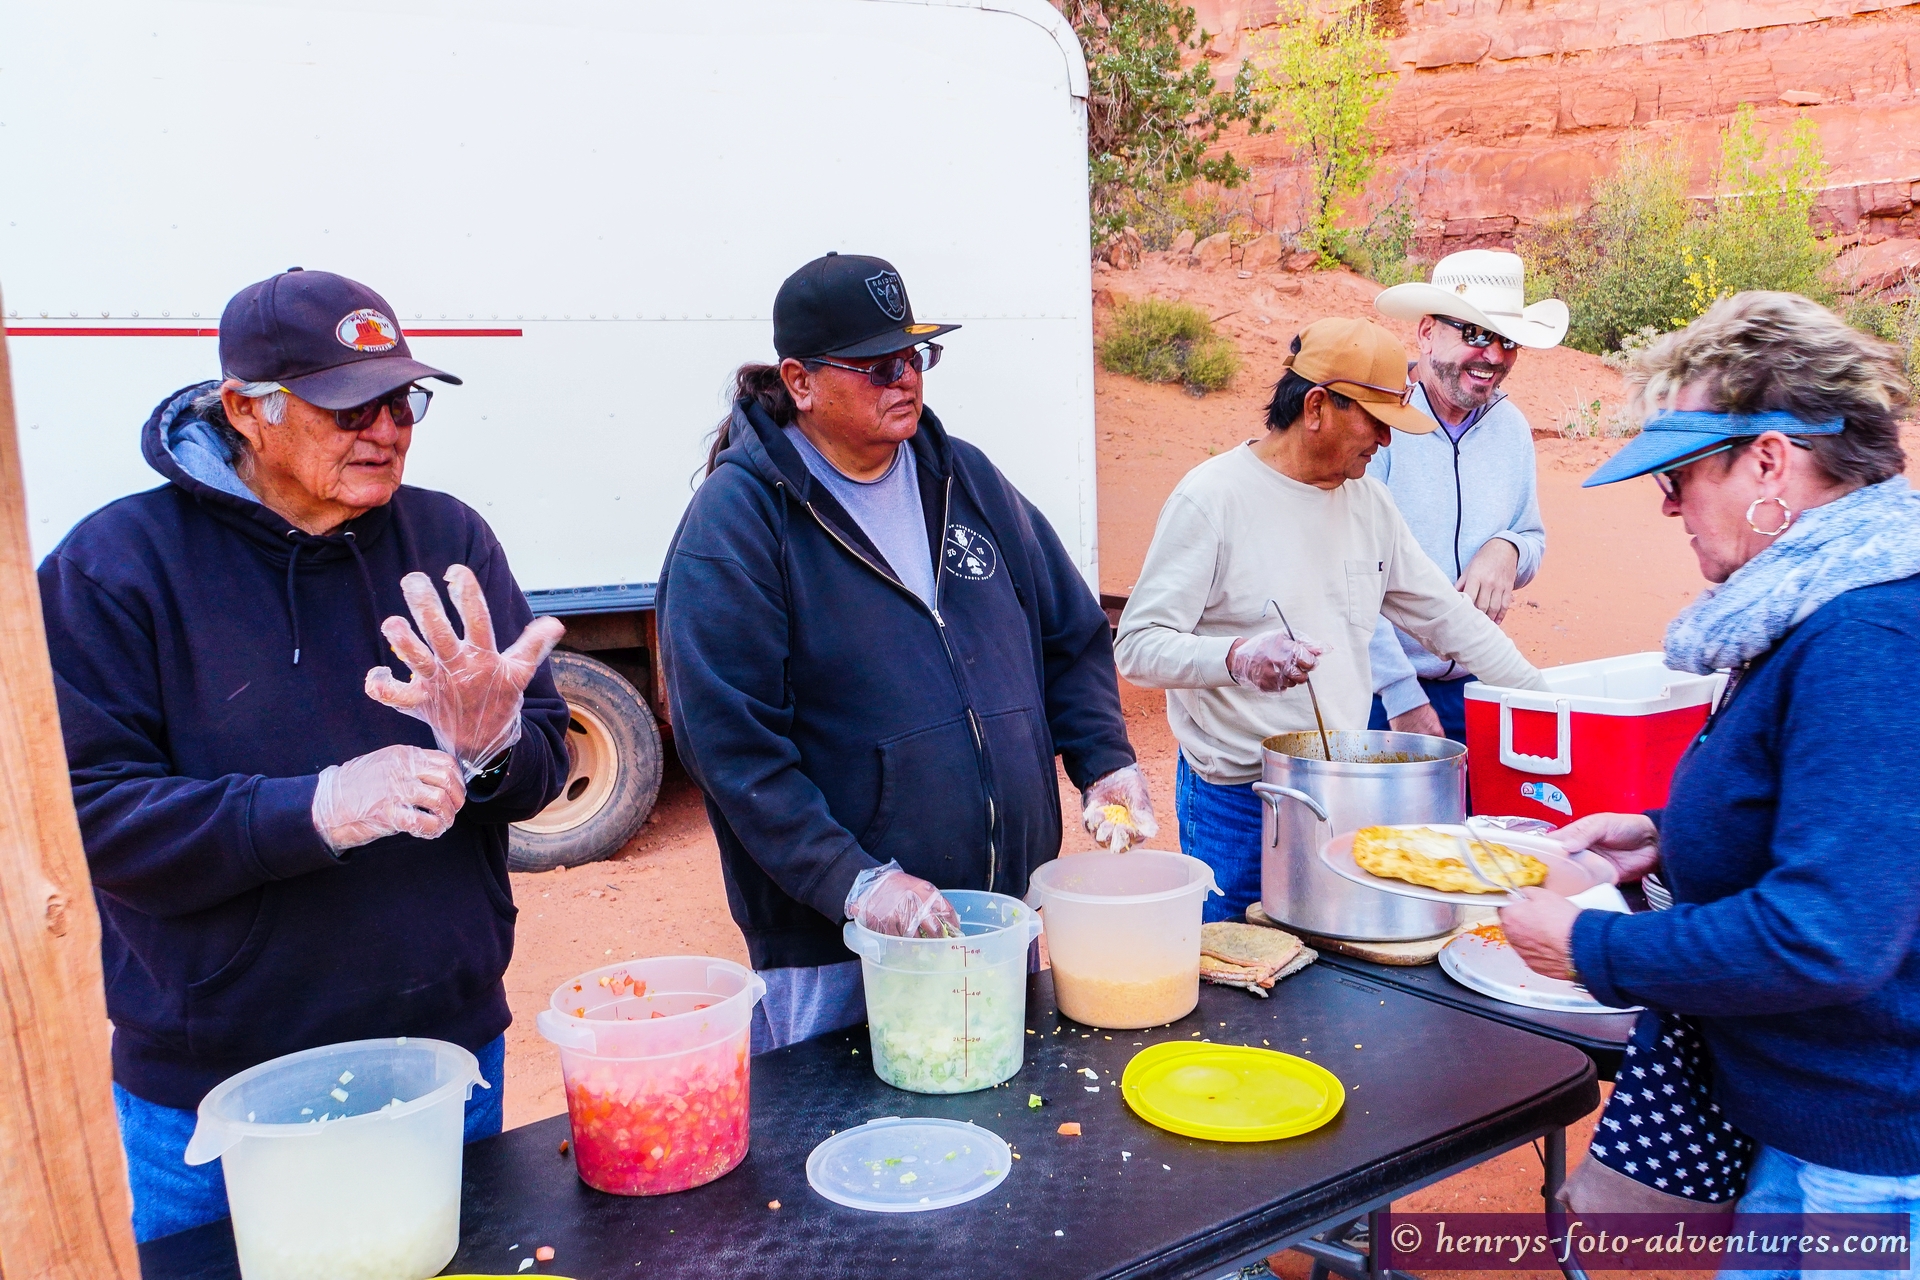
{"type": "Point", "coordinates": [1431, 1090]}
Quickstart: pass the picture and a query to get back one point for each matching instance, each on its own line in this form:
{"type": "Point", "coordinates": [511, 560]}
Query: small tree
{"type": "Point", "coordinates": [1759, 234]}
{"type": "Point", "coordinates": [1151, 120]}
{"type": "Point", "coordinates": [1619, 266]}
{"type": "Point", "coordinates": [1327, 72]}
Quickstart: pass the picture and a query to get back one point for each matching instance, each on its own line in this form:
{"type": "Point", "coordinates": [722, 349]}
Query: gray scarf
{"type": "Point", "coordinates": [1869, 536]}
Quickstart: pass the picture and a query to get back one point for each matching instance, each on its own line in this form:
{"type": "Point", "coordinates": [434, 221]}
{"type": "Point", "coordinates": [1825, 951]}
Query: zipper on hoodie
{"type": "Point", "coordinates": [953, 664]}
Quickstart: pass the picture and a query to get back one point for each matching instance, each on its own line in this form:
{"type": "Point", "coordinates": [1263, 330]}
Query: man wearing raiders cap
{"type": "Point", "coordinates": [875, 647]}
{"type": "Point", "coordinates": [289, 847]}
{"type": "Point", "coordinates": [1467, 490]}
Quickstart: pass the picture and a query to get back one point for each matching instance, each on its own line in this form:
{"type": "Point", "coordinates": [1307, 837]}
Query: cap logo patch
{"type": "Point", "coordinates": [367, 330]}
{"type": "Point", "coordinates": [889, 294]}
{"type": "Point", "coordinates": [915, 330]}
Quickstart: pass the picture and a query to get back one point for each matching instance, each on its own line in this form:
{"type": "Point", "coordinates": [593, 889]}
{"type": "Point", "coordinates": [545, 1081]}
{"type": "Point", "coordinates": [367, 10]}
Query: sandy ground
{"type": "Point", "coordinates": [1615, 572]}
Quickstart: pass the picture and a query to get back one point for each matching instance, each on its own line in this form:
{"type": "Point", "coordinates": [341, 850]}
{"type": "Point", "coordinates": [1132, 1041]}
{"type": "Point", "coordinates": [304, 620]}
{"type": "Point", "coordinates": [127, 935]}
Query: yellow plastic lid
{"type": "Point", "coordinates": [1230, 1093]}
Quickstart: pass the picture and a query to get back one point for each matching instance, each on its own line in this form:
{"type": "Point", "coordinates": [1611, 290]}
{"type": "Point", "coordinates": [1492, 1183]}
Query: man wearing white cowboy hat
{"type": "Point", "coordinates": [1468, 490]}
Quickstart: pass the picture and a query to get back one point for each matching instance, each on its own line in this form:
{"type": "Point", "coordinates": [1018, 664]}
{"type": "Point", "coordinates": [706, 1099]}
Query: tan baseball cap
{"type": "Point", "coordinates": [1363, 362]}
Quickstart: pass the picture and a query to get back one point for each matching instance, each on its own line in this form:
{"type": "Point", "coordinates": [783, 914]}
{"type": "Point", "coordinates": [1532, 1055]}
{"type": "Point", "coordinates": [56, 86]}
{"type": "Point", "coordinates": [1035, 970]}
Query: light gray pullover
{"type": "Point", "coordinates": [1456, 495]}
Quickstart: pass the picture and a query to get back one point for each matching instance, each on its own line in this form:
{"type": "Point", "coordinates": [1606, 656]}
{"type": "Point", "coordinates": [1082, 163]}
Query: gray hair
{"type": "Point", "coordinates": [1760, 351]}
{"type": "Point", "coordinates": [271, 408]}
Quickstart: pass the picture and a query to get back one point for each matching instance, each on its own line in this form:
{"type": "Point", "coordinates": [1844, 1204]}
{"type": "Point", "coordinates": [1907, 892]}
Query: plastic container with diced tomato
{"type": "Point", "coordinates": [1605, 739]}
{"type": "Point", "coordinates": [654, 1054]}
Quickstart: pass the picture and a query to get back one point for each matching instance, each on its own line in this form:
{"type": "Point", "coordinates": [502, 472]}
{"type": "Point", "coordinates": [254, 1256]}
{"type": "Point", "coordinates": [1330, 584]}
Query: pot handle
{"type": "Point", "coordinates": [1272, 792]}
{"type": "Point", "coordinates": [565, 1032]}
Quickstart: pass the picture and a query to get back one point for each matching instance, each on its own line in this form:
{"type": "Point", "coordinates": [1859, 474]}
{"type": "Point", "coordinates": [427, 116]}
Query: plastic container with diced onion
{"type": "Point", "coordinates": [654, 1056]}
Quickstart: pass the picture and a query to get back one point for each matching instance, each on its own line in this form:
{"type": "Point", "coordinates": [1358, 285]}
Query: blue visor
{"type": "Point", "coordinates": [1667, 437]}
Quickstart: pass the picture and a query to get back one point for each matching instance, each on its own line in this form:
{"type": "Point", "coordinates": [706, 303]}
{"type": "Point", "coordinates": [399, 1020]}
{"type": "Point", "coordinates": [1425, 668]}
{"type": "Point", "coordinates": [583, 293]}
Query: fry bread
{"type": "Point", "coordinates": [1427, 857]}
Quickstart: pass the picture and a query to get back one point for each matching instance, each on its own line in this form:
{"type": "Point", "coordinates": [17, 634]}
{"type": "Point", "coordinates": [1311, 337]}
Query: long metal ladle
{"type": "Point", "coordinates": [1326, 748]}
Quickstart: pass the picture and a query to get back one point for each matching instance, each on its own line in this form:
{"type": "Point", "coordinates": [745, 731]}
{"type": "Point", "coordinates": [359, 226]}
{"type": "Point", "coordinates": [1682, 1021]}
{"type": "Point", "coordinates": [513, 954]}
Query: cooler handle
{"type": "Point", "coordinates": [1562, 760]}
{"type": "Point", "coordinates": [1272, 792]}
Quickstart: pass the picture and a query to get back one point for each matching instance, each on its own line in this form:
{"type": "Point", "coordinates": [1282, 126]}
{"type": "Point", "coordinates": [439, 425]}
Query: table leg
{"type": "Point", "coordinates": [1556, 1177]}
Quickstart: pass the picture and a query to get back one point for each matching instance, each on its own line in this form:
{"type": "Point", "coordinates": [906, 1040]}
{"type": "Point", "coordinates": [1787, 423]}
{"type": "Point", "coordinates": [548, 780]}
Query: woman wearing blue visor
{"type": "Point", "coordinates": [1790, 842]}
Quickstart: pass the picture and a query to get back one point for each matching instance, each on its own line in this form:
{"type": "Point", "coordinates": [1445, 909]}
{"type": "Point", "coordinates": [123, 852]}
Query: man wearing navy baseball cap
{"type": "Point", "coordinates": [875, 646]}
{"type": "Point", "coordinates": [290, 847]}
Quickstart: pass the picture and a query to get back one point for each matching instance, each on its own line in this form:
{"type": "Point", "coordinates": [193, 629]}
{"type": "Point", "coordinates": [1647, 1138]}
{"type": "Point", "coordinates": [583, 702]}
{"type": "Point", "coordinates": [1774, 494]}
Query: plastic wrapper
{"type": "Point", "coordinates": [1272, 661]}
{"type": "Point", "coordinates": [465, 689]}
{"type": "Point", "coordinates": [393, 791]}
{"type": "Point", "coordinates": [1118, 810]}
{"type": "Point", "coordinates": [888, 900]}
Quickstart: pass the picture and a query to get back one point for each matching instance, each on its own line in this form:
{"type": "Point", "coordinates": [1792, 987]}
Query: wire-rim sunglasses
{"type": "Point", "coordinates": [408, 405]}
{"type": "Point", "coordinates": [890, 369]}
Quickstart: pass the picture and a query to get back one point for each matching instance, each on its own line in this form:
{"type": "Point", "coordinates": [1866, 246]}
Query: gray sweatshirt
{"type": "Point", "coordinates": [1455, 496]}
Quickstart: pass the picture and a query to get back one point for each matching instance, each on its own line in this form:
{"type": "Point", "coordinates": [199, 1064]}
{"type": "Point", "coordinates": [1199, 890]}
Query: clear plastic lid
{"type": "Point", "coordinates": [895, 1165]}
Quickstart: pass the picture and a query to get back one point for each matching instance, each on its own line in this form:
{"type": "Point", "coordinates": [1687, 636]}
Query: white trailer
{"type": "Point", "coordinates": [583, 207]}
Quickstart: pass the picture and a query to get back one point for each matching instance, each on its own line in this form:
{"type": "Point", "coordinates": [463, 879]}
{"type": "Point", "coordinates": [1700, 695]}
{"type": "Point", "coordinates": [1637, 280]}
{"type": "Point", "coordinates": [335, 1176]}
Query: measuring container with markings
{"type": "Point", "coordinates": [948, 1015]}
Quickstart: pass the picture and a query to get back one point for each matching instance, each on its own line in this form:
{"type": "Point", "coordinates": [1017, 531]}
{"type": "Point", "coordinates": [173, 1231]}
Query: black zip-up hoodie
{"type": "Point", "coordinates": [834, 720]}
{"type": "Point", "coordinates": [209, 662]}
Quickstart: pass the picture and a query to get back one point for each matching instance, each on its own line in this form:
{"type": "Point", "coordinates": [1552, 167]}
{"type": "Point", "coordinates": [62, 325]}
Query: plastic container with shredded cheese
{"type": "Point", "coordinates": [1123, 932]}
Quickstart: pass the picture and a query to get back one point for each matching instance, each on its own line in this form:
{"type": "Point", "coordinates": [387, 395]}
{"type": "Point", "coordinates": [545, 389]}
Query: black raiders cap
{"type": "Point", "coordinates": [330, 340]}
{"type": "Point", "coordinates": [846, 305]}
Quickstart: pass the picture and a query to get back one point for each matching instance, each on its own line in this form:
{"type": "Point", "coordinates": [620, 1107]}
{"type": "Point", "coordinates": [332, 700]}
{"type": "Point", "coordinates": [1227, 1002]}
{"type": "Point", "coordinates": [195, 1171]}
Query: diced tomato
{"type": "Point", "coordinates": [649, 1128]}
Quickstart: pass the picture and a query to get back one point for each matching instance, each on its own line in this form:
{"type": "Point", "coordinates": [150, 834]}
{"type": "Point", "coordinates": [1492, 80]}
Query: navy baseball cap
{"type": "Point", "coordinates": [1666, 438]}
{"type": "Point", "coordinates": [330, 340]}
{"type": "Point", "coordinates": [846, 305]}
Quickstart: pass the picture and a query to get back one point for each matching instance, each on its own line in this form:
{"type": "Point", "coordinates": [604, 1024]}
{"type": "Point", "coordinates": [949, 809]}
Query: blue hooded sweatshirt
{"type": "Point", "coordinates": [209, 662]}
{"type": "Point", "coordinates": [835, 720]}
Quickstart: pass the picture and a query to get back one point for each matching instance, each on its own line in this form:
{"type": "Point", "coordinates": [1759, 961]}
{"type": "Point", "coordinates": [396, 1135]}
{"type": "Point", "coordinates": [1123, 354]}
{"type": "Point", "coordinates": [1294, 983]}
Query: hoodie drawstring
{"type": "Point", "coordinates": [373, 598]}
{"type": "Point", "coordinates": [293, 597]}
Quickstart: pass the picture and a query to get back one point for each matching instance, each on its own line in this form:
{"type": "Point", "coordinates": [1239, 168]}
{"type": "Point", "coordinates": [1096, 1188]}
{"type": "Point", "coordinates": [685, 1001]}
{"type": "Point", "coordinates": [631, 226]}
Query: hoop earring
{"type": "Point", "coordinates": [1786, 517]}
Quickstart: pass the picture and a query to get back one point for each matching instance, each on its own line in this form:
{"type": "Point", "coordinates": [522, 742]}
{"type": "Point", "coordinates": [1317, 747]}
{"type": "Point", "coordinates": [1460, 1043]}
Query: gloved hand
{"type": "Point", "coordinates": [888, 900]}
{"type": "Point", "coordinates": [1118, 809]}
{"type": "Point", "coordinates": [1272, 661]}
{"type": "Point", "coordinates": [468, 692]}
{"type": "Point", "coordinates": [385, 793]}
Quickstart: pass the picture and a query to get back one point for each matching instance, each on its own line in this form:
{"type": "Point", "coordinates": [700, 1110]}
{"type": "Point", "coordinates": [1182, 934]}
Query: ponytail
{"type": "Point", "coordinates": [761, 384]}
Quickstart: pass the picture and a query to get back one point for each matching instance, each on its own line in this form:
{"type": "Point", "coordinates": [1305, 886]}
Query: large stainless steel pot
{"type": "Point", "coordinates": [1373, 778]}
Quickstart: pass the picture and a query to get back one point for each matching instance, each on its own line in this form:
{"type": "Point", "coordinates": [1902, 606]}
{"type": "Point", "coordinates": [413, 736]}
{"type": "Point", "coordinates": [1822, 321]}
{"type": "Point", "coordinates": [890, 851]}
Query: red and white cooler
{"type": "Point", "coordinates": [1604, 740]}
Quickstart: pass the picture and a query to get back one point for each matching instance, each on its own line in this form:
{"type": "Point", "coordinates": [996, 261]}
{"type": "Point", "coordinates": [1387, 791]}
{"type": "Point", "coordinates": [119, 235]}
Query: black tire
{"type": "Point", "coordinates": [613, 771]}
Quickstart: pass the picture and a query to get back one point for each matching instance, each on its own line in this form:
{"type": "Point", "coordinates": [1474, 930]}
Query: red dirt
{"type": "Point", "coordinates": [1615, 572]}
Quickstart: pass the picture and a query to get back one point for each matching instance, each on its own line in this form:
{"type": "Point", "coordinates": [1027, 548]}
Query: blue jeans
{"type": "Point", "coordinates": [802, 1003]}
{"type": "Point", "coordinates": [1221, 827]}
{"type": "Point", "coordinates": [171, 1195]}
{"type": "Point", "coordinates": [1781, 1183]}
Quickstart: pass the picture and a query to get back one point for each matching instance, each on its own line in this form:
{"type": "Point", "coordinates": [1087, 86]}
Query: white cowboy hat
{"type": "Point", "coordinates": [1484, 287]}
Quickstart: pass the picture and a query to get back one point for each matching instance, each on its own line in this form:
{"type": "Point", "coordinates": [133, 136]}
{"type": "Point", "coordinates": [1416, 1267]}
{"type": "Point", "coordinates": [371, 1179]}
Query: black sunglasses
{"type": "Point", "coordinates": [407, 405]}
{"type": "Point", "coordinates": [889, 370]}
{"type": "Point", "coordinates": [1668, 478]}
{"type": "Point", "coordinates": [1474, 336]}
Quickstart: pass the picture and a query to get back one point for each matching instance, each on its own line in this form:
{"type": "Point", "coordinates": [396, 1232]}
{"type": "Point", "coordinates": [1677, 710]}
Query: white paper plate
{"type": "Point", "coordinates": [1496, 969]}
{"type": "Point", "coordinates": [895, 1165]}
{"type": "Point", "coordinates": [1564, 876]}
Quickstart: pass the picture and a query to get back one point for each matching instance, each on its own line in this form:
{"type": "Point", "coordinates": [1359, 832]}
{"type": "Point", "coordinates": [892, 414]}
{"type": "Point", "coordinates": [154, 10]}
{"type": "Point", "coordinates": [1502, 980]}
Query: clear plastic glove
{"type": "Point", "coordinates": [467, 691]}
{"type": "Point", "coordinates": [888, 900]}
{"type": "Point", "coordinates": [389, 792]}
{"type": "Point", "coordinates": [1272, 661]}
{"type": "Point", "coordinates": [1119, 812]}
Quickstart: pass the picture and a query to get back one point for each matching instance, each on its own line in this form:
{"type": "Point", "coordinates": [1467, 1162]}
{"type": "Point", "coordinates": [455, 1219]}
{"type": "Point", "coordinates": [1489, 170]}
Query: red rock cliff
{"type": "Point", "coordinates": [1508, 108]}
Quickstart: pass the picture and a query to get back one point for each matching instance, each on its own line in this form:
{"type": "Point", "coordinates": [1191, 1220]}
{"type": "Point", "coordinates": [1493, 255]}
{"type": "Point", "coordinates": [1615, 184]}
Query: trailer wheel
{"type": "Point", "coordinates": [613, 771]}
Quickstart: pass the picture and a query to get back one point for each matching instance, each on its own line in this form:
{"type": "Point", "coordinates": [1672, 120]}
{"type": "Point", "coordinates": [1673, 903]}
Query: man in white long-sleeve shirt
{"type": "Point", "coordinates": [1468, 491]}
{"type": "Point", "coordinates": [1289, 524]}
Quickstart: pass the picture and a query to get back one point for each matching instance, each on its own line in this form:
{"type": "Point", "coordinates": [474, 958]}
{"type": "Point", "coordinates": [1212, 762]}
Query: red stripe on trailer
{"type": "Point", "coordinates": [50, 331]}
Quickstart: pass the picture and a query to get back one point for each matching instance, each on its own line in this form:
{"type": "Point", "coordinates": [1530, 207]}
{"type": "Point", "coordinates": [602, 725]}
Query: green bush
{"type": "Point", "coordinates": [1157, 341]}
{"type": "Point", "coordinates": [1644, 254]}
{"type": "Point", "coordinates": [1380, 250]}
{"type": "Point", "coordinates": [1893, 317]}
